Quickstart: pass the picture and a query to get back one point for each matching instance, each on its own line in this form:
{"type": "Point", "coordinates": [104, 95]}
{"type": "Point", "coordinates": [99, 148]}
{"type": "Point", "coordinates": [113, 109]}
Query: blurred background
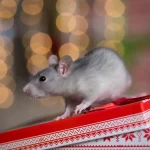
{"type": "Point", "coordinates": [31, 30]}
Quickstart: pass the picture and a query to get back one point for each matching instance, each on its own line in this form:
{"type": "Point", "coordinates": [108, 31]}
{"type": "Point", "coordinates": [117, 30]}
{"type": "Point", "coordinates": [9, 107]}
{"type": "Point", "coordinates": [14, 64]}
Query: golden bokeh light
{"type": "Point", "coordinates": [29, 52]}
{"type": "Point", "coordinates": [41, 43]}
{"type": "Point", "coordinates": [9, 61]}
{"type": "Point", "coordinates": [114, 26]}
{"type": "Point", "coordinates": [17, 1]}
{"type": "Point", "coordinates": [114, 8]}
{"type": "Point", "coordinates": [7, 97]}
{"type": "Point", "coordinates": [120, 48]}
{"type": "Point", "coordinates": [32, 7]}
{"type": "Point", "coordinates": [106, 43]}
{"type": "Point", "coordinates": [67, 6]}
{"type": "Point", "coordinates": [3, 69]}
{"type": "Point", "coordinates": [69, 49]}
{"type": "Point", "coordinates": [52, 101]}
{"type": "Point", "coordinates": [3, 54]}
{"type": "Point", "coordinates": [66, 22]}
{"type": "Point", "coordinates": [6, 44]}
{"type": "Point", "coordinates": [9, 82]}
{"type": "Point", "coordinates": [114, 44]}
{"type": "Point", "coordinates": [6, 24]}
{"type": "Point", "coordinates": [32, 69]}
{"type": "Point", "coordinates": [8, 3]}
{"type": "Point", "coordinates": [8, 8]}
{"type": "Point", "coordinates": [4, 93]}
{"type": "Point", "coordinates": [10, 72]}
{"type": "Point", "coordinates": [98, 7]}
{"type": "Point", "coordinates": [81, 41]}
{"type": "Point", "coordinates": [27, 37]}
{"type": "Point", "coordinates": [82, 8]}
{"type": "Point", "coordinates": [119, 20]}
{"type": "Point", "coordinates": [37, 63]}
{"type": "Point", "coordinates": [30, 19]}
{"type": "Point", "coordinates": [81, 25]}
{"type": "Point", "coordinates": [114, 35]}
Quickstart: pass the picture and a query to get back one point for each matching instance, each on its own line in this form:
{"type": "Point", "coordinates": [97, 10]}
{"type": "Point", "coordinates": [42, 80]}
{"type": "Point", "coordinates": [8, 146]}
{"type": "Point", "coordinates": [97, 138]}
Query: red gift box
{"type": "Point", "coordinates": [126, 121]}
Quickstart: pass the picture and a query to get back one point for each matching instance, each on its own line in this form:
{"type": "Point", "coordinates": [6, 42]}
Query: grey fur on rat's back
{"type": "Point", "coordinates": [93, 78]}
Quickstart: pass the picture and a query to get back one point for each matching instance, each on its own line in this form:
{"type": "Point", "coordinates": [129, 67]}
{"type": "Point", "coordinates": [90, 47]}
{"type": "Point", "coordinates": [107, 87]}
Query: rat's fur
{"type": "Point", "coordinates": [99, 75]}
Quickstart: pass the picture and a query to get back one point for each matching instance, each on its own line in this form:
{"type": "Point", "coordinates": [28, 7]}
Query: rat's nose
{"type": "Point", "coordinates": [26, 92]}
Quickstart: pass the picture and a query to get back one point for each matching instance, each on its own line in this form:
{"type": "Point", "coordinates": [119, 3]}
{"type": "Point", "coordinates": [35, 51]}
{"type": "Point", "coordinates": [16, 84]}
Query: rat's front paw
{"type": "Point", "coordinates": [80, 108]}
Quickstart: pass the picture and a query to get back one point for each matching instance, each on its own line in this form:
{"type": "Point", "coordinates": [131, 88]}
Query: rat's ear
{"type": "Point", "coordinates": [53, 60]}
{"type": "Point", "coordinates": [64, 65]}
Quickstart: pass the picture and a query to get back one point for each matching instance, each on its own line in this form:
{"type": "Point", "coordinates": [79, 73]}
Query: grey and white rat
{"type": "Point", "coordinates": [93, 78]}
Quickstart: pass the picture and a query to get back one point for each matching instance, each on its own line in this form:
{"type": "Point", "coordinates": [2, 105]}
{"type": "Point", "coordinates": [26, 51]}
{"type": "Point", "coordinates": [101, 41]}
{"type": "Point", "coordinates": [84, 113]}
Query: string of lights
{"type": "Point", "coordinates": [114, 25]}
{"type": "Point", "coordinates": [8, 9]}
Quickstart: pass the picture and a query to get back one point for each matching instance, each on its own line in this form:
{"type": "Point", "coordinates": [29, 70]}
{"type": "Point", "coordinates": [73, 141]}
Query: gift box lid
{"type": "Point", "coordinates": [122, 116]}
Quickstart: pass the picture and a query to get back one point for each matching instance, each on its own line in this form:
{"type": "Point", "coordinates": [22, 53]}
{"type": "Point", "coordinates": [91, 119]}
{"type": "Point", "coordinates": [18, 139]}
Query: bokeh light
{"type": "Point", "coordinates": [114, 26]}
{"type": "Point", "coordinates": [69, 49]}
{"type": "Point", "coordinates": [9, 61]}
{"type": "Point", "coordinates": [114, 35]}
{"type": "Point", "coordinates": [8, 8]}
{"type": "Point", "coordinates": [6, 44]}
{"type": "Point", "coordinates": [81, 25]}
{"type": "Point", "coordinates": [8, 3]}
{"type": "Point", "coordinates": [106, 43]}
{"type": "Point", "coordinates": [6, 24]}
{"type": "Point", "coordinates": [114, 44]}
{"type": "Point", "coordinates": [81, 41]}
{"type": "Point", "coordinates": [17, 1]}
{"type": "Point", "coordinates": [66, 22]}
{"type": "Point", "coordinates": [32, 7]}
{"type": "Point", "coordinates": [27, 37]}
{"type": "Point", "coordinates": [52, 101]}
{"type": "Point", "coordinates": [3, 54]}
{"type": "Point", "coordinates": [98, 7]}
{"type": "Point", "coordinates": [41, 43]}
{"type": "Point", "coordinates": [67, 6]}
{"type": "Point", "coordinates": [9, 82]}
{"type": "Point", "coordinates": [33, 70]}
{"type": "Point", "coordinates": [10, 72]}
{"type": "Point", "coordinates": [82, 8]}
{"type": "Point", "coordinates": [28, 52]}
{"type": "Point", "coordinates": [3, 69]}
{"type": "Point", "coordinates": [114, 8]}
{"type": "Point", "coordinates": [34, 59]}
{"type": "Point", "coordinates": [114, 31]}
{"type": "Point", "coordinates": [119, 20]}
{"type": "Point", "coordinates": [7, 98]}
{"type": "Point", "coordinates": [30, 20]}
{"type": "Point", "coordinates": [4, 93]}
{"type": "Point", "coordinates": [120, 48]}
{"type": "Point", "coordinates": [34, 65]}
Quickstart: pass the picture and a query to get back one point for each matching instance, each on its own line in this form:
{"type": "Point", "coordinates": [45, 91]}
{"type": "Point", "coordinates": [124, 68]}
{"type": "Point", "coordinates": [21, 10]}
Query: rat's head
{"type": "Point", "coordinates": [46, 82]}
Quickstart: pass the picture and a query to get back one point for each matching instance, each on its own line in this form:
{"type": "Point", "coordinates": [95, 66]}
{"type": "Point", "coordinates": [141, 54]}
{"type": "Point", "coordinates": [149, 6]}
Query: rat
{"type": "Point", "coordinates": [93, 78]}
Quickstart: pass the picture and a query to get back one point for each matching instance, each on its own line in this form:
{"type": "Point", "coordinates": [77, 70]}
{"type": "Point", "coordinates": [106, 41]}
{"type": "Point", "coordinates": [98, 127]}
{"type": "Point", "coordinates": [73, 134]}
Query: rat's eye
{"type": "Point", "coordinates": [42, 78]}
